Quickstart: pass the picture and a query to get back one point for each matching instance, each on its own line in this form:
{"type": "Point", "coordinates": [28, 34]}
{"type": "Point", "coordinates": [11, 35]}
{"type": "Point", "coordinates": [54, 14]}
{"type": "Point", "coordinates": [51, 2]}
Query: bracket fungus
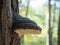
{"type": "Point", "coordinates": [22, 25]}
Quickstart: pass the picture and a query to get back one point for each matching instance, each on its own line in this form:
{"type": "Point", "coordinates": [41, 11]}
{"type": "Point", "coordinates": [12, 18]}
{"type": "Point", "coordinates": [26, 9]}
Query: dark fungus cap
{"type": "Point", "coordinates": [18, 25]}
{"type": "Point", "coordinates": [24, 23]}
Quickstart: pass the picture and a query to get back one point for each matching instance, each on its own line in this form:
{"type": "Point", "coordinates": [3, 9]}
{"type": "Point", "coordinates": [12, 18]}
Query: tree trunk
{"type": "Point", "coordinates": [27, 9]}
{"type": "Point", "coordinates": [1, 5]}
{"type": "Point", "coordinates": [50, 31]}
{"type": "Point", "coordinates": [7, 37]}
{"type": "Point", "coordinates": [59, 28]}
{"type": "Point", "coordinates": [6, 21]}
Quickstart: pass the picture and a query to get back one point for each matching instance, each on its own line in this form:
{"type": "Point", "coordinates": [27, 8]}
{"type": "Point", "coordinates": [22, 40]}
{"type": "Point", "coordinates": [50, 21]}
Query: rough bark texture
{"type": "Point", "coordinates": [7, 37]}
{"type": "Point", "coordinates": [6, 18]}
{"type": "Point", "coordinates": [7, 8]}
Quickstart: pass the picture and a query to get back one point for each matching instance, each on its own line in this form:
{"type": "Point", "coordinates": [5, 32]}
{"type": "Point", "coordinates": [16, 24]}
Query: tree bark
{"type": "Point", "coordinates": [6, 21]}
{"type": "Point", "coordinates": [1, 5]}
{"type": "Point", "coordinates": [7, 35]}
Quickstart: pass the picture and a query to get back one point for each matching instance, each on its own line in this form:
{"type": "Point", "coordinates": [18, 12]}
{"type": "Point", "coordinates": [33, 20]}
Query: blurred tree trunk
{"type": "Point", "coordinates": [27, 9]}
{"type": "Point", "coordinates": [50, 31]}
{"type": "Point", "coordinates": [59, 27]}
{"type": "Point", "coordinates": [54, 22]}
